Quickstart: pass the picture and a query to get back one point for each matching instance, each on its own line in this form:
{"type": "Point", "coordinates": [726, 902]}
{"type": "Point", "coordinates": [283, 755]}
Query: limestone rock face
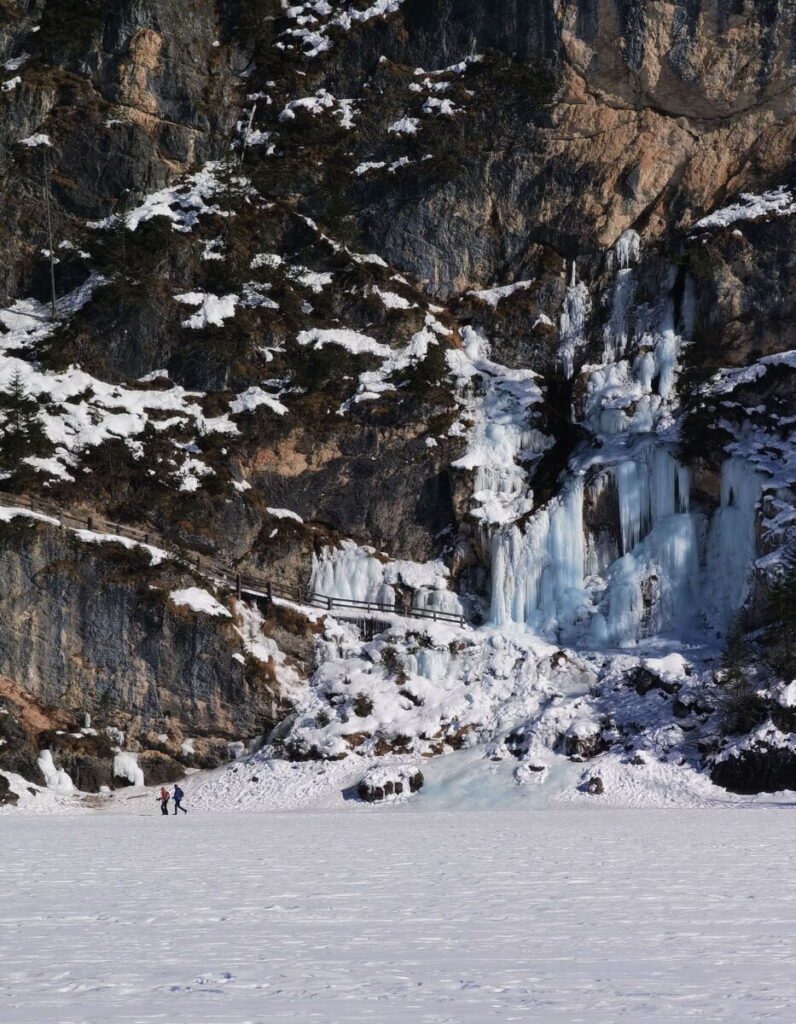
{"type": "Point", "coordinates": [309, 266]}
{"type": "Point", "coordinates": [84, 633]}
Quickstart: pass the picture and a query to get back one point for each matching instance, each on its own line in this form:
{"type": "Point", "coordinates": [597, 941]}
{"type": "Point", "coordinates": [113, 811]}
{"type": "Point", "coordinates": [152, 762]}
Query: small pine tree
{"type": "Point", "coordinates": [781, 616]}
{"type": "Point", "coordinates": [741, 705]}
{"type": "Point", "coordinates": [783, 593]}
{"type": "Point", "coordinates": [21, 432]}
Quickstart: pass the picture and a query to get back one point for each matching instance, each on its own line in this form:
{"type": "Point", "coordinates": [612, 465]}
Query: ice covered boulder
{"type": "Point", "coordinates": [643, 679]}
{"type": "Point", "coordinates": [762, 762]}
{"type": "Point", "coordinates": [583, 739]}
{"type": "Point", "coordinates": [389, 783]}
{"type": "Point", "coordinates": [529, 772]}
{"type": "Point", "coordinates": [593, 786]}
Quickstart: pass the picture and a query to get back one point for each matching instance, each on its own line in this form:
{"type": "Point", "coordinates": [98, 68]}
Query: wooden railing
{"type": "Point", "coordinates": [227, 577]}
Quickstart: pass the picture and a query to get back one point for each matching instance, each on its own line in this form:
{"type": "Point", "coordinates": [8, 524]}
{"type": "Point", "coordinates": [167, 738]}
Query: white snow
{"type": "Point", "coordinates": [316, 22]}
{"type": "Point", "coordinates": [284, 513]}
{"type": "Point", "coordinates": [778, 202]}
{"type": "Point", "coordinates": [183, 204]}
{"type": "Point", "coordinates": [440, 107]}
{"type": "Point", "coordinates": [156, 555]}
{"type": "Point", "coordinates": [40, 139]}
{"type": "Point", "coordinates": [341, 109]}
{"type": "Point", "coordinates": [7, 513]}
{"type": "Point", "coordinates": [398, 916]}
{"type": "Point", "coordinates": [492, 296]}
{"type": "Point", "coordinates": [253, 397]}
{"type": "Point", "coordinates": [199, 600]}
{"type": "Point", "coordinates": [78, 410]}
{"type": "Point", "coordinates": [351, 341]}
{"type": "Point", "coordinates": [369, 165]}
{"type": "Point", "coordinates": [213, 309]}
{"type": "Point", "coordinates": [404, 126]}
{"type": "Point", "coordinates": [391, 300]}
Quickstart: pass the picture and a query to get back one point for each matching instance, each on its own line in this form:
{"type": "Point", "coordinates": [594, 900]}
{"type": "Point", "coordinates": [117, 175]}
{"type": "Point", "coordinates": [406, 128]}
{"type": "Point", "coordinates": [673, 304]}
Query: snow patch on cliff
{"type": "Point", "coordinates": [200, 601]}
{"type": "Point", "coordinates": [778, 202]}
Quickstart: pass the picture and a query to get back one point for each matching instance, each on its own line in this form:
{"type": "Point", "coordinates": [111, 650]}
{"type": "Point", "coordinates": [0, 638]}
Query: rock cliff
{"type": "Point", "coordinates": [486, 307]}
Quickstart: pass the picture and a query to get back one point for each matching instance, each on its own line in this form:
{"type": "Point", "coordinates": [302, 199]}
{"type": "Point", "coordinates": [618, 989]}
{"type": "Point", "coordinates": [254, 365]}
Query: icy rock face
{"type": "Point", "coordinates": [458, 389]}
{"type": "Point", "coordinates": [501, 434]}
{"type": "Point", "coordinates": [658, 563]}
{"type": "Point", "coordinates": [353, 573]}
{"type": "Point", "coordinates": [678, 571]}
{"type": "Point", "coordinates": [146, 657]}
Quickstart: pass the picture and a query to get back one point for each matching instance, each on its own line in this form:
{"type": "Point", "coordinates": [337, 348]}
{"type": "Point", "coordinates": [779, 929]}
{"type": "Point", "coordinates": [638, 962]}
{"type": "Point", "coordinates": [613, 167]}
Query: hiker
{"type": "Point", "coordinates": [178, 795]}
{"type": "Point", "coordinates": [164, 800]}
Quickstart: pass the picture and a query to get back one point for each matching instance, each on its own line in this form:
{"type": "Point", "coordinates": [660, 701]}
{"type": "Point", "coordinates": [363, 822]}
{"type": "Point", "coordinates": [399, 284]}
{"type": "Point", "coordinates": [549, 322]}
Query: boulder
{"type": "Point", "coordinates": [159, 769]}
{"type": "Point", "coordinates": [88, 773]}
{"type": "Point", "coordinates": [643, 680]}
{"type": "Point", "coordinates": [758, 770]}
{"type": "Point", "coordinates": [583, 740]}
{"type": "Point", "coordinates": [389, 783]}
{"type": "Point", "coordinates": [6, 796]}
{"type": "Point", "coordinates": [593, 786]}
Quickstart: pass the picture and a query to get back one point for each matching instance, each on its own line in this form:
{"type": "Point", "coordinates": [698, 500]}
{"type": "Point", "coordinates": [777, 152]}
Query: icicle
{"type": "Point", "coordinates": [572, 323]}
{"type": "Point", "coordinates": [627, 248]}
{"type": "Point", "coordinates": [616, 331]}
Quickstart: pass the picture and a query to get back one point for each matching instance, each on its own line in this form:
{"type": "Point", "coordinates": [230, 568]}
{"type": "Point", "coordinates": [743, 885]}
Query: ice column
{"type": "Point", "coordinates": [572, 322]}
{"type": "Point", "coordinates": [537, 573]}
{"type": "Point", "coordinates": [731, 543]}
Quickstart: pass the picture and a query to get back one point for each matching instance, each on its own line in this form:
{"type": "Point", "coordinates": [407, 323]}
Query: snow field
{"type": "Point", "coordinates": [569, 915]}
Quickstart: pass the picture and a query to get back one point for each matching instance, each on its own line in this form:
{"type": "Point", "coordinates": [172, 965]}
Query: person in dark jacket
{"type": "Point", "coordinates": [178, 795]}
{"type": "Point", "coordinates": [164, 800]}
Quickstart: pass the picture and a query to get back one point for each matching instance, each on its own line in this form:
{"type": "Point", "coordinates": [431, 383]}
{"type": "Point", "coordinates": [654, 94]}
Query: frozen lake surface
{"type": "Point", "coordinates": [568, 914]}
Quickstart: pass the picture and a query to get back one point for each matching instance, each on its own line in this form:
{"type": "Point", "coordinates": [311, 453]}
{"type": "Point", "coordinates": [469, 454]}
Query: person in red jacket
{"type": "Point", "coordinates": [164, 800]}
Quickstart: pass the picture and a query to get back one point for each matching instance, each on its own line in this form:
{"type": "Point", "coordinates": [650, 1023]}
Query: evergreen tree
{"type": "Point", "coordinates": [21, 432]}
{"type": "Point", "coordinates": [742, 706]}
{"type": "Point", "coordinates": [783, 593]}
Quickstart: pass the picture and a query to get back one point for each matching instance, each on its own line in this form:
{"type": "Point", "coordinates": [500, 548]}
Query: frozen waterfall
{"type": "Point", "coordinates": [731, 544]}
{"type": "Point", "coordinates": [679, 570]}
{"type": "Point", "coordinates": [350, 572]}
